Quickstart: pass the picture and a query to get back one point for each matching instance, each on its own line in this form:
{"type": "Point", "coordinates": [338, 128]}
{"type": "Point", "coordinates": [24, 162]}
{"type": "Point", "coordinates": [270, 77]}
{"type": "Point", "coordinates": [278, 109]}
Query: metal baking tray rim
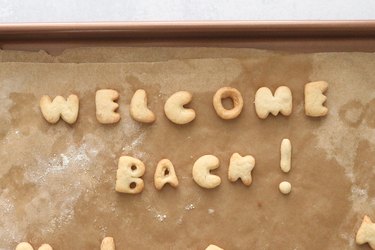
{"type": "Point", "coordinates": [362, 28]}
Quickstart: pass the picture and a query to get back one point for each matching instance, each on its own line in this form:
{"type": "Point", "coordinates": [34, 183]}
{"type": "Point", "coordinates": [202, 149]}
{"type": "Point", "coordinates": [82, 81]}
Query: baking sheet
{"type": "Point", "coordinates": [57, 181]}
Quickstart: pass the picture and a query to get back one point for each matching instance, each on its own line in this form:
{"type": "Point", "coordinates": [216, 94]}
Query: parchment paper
{"type": "Point", "coordinates": [25, 56]}
{"type": "Point", "coordinates": [126, 54]}
{"type": "Point", "coordinates": [57, 181]}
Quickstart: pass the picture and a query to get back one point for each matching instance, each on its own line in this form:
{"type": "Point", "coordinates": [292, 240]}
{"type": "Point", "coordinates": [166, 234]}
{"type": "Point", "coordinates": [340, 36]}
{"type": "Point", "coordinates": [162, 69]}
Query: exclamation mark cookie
{"type": "Point", "coordinates": [285, 164]}
{"type": "Point", "coordinates": [285, 187]}
{"type": "Point", "coordinates": [285, 155]}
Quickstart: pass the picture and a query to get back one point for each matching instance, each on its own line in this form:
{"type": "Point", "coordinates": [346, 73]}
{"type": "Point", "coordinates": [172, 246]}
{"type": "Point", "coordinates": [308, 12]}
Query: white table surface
{"type": "Point", "coordinates": [164, 10]}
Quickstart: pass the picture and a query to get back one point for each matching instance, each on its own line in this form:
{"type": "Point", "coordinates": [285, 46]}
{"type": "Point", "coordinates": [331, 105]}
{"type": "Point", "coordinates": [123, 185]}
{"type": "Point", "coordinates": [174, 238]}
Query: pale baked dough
{"type": "Point", "coordinates": [128, 175]}
{"type": "Point", "coordinates": [24, 246]}
{"type": "Point", "coordinates": [285, 155]}
{"type": "Point", "coordinates": [165, 173]}
{"type": "Point", "coordinates": [174, 108]}
{"type": "Point", "coordinates": [59, 107]}
{"type": "Point", "coordinates": [106, 106]}
{"type": "Point", "coordinates": [314, 99]}
{"type": "Point", "coordinates": [201, 171]}
{"type": "Point", "coordinates": [108, 243]}
{"type": "Point", "coordinates": [45, 247]}
{"type": "Point", "coordinates": [366, 232]}
{"type": "Point", "coordinates": [285, 187]}
{"type": "Point", "coordinates": [213, 247]}
{"type": "Point", "coordinates": [237, 100]}
{"type": "Point", "coordinates": [27, 246]}
{"type": "Point", "coordinates": [240, 167]}
{"type": "Point", "coordinates": [266, 103]}
{"type": "Point", "coordinates": [138, 108]}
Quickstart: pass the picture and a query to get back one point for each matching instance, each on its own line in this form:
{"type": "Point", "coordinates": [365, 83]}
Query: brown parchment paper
{"type": "Point", "coordinates": [126, 54]}
{"type": "Point", "coordinates": [25, 56]}
{"type": "Point", "coordinates": [57, 181]}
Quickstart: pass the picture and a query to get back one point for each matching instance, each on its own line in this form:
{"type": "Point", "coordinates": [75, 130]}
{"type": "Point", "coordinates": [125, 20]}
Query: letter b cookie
{"type": "Point", "coordinates": [128, 175]}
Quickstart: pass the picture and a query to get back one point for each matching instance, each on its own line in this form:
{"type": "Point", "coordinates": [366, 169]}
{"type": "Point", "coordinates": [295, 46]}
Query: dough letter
{"type": "Point", "coordinates": [165, 173]}
{"type": "Point", "coordinates": [240, 168]}
{"type": "Point", "coordinates": [128, 175]}
{"type": "Point", "coordinates": [174, 108]}
{"type": "Point", "coordinates": [67, 109]}
{"type": "Point", "coordinates": [138, 108]}
{"type": "Point", "coordinates": [366, 233]}
{"type": "Point", "coordinates": [201, 171]}
{"type": "Point", "coordinates": [213, 247]}
{"type": "Point", "coordinates": [235, 95]}
{"type": "Point", "coordinates": [266, 103]}
{"type": "Point", "coordinates": [107, 244]}
{"type": "Point", "coordinates": [314, 99]}
{"type": "Point", "coordinates": [106, 106]}
{"type": "Point", "coordinates": [24, 246]}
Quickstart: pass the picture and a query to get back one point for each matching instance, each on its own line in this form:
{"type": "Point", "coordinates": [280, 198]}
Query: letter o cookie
{"type": "Point", "coordinates": [236, 97]}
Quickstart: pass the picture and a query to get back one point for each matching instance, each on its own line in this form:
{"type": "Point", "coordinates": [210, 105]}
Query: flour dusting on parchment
{"type": "Point", "coordinates": [349, 123]}
{"type": "Point", "coordinates": [58, 182]}
{"type": "Point", "coordinates": [346, 125]}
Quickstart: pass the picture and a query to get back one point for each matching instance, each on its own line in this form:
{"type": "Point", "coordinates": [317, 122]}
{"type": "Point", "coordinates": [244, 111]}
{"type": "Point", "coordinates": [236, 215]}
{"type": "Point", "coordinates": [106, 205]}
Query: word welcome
{"type": "Point", "coordinates": [175, 107]}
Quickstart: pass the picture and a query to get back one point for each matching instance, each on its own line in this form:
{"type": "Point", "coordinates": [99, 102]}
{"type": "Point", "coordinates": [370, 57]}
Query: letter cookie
{"type": "Point", "coordinates": [236, 97]}
{"type": "Point", "coordinates": [138, 108]}
{"type": "Point", "coordinates": [201, 171]}
{"type": "Point", "coordinates": [165, 173]}
{"type": "Point", "coordinates": [241, 167]}
{"type": "Point", "coordinates": [45, 247]}
{"type": "Point", "coordinates": [59, 107]}
{"type": "Point", "coordinates": [27, 246]}
{"type": "Point", "coordinates": [128, 175]}
{"type": "Point", "coordinates": [366, 233]}
{"type": "Point", "coordinates": [106, 106]}
{"type": "Point", "coordinates": [174, 108]}
{"type": "Point", "coordinates": [107, 244]}
{"type": "Point", "coordinates": [213, 247]}
{"type": "Point", "coordinates": [266, 103]}
{"type": "Point", "coordinates": [285, 155]}
{"type": "Point", "coordinates": [24, 246]}
{"type": "Point", "coordinates": [314, 99]}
